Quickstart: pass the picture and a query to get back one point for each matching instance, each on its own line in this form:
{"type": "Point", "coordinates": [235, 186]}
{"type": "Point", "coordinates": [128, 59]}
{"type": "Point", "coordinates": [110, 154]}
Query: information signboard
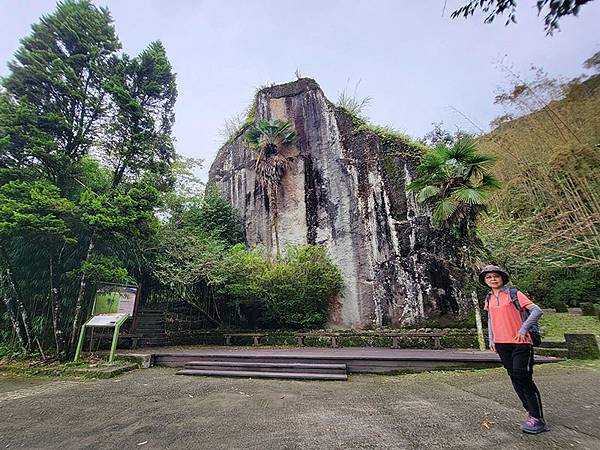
{"type": "Point", "coordinates": [105, 320]}
{"type": "Point", "coordinates": [113, 304]}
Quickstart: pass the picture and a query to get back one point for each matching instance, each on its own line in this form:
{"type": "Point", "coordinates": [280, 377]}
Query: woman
{"type": "Point", "coordinates": [509, 337]}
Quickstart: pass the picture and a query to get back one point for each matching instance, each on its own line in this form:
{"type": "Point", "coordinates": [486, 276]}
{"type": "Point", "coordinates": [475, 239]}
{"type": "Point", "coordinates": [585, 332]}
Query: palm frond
{"type": "Point", "coordinates": [432, 160]}
{"type": "Point", "coordinates": [490, 182]}
{"type": "Point", "coordinates": [479, 164]}
{"type": "Point", "coordinates": [469, 194]}
{"type": "Point", "coordinates": [416, 185]}
{"type": "Point", "coordinates": [427, 192]}
{"type": "Point", "coordinates": [443, 210]}
{"type": "Point", "coordinates": [264, 133]}
{"type": "Point", "coordinates": [463, 150]}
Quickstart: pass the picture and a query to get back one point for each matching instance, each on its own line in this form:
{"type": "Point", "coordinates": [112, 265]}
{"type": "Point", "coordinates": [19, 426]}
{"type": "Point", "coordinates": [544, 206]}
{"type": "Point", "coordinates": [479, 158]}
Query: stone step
{"type": "Point", "coordinates": [268, 367]}
{"type": "Point", "coordinates": [553, 344]}
{"type": "Point", "coordinates": [152, 310]}
{"type": "Point", "coordinates": [552, 351]}
{"type": "Point", "coordinates": [149, 338]}
{"type": "Point", "coordinates": [152, 342]}
{"type": "Point", "coordinates": [257, 374]}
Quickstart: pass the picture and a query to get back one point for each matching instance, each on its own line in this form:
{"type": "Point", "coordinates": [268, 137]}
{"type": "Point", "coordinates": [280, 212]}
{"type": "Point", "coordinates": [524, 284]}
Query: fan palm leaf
{"type": "Point", "coordinates": [443, 210]}
{"type": "Point", "coordinates": [269, 136]}
{"type": "Point", "coordinates": [490, 182]}
{"type": "Point", "coordinates": [455, 182]}
{"type": "Point", "coordinates": [427, 193]}
{"type": "Point", "coordinates": [470, 195]}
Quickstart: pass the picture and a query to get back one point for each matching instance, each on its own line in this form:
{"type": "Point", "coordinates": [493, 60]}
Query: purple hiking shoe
{"type": "Point", "coordinates": [533, 425]}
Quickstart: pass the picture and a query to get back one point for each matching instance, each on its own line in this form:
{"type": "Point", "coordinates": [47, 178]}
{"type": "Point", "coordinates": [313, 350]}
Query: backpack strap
{"type": "Point", "coordinates": [487, 299]}
{"type": "Point", "coordinates": [514, 298]}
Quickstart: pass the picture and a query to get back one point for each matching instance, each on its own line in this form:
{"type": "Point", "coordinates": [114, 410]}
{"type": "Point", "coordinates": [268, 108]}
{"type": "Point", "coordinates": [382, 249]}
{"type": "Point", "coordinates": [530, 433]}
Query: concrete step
{"type": "Point", "coordinates": [152, 342]}
{"type": "Point", "coordinates": [257, 374]}
{"type": "Point", "coordinates": [552, 351]}
{"type": "Point", "coordinates": [268, 367]}
{"type": "Point", "coordinates": [553, 344]}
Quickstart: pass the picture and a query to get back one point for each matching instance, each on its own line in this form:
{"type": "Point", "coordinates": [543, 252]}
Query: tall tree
{"type": "Point", "coordinates": [454, 182]}
{"type": "Point", "coordinates": [138, 146]}
{"type": "Point", "coordinates": [143, 93]}
{"type": "Point", "coordinates": [70, 91]}
{"type": "Point", "coordinates": [56, 79]}
{"type": "Point", "coordinates": [53, 106]}
{"type": "Point", "coordinates": [268, 137]}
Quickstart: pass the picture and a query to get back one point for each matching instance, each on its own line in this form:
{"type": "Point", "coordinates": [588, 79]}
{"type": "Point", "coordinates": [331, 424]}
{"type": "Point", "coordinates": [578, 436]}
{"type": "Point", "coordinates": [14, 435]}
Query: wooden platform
{"type": "Point", "coordinates": [357, 360]}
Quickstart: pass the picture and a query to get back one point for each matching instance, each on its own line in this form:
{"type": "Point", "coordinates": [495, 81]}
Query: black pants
{"type": "Point", "coordinates": [517, 359]}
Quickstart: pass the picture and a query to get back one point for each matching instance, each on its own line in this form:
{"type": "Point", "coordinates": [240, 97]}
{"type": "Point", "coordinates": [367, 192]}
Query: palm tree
{"type": "Point", "coordinates": [455, 182]}
{"type": "Point", "coordinates": [267, 137]}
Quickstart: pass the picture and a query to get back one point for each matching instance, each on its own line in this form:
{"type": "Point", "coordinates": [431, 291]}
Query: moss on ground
{"type": "Point", "coordinates": [89, 368]}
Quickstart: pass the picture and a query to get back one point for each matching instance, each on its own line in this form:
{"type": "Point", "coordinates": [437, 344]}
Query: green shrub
{"type": "Point", "coordinates": [582, 346]}
{"type": "Point", "coordinates": [298, 289]}
{"type": "Point", "coordinates": [561, 307]}
{"type": "Point", "coordinates": [215, 216]}
{"type": "Point", "coordinates": [587, 309]}
{"type": "Point", "coordinates": [549, 286]}
{"type": "Point", "coordinates": [292, 291]}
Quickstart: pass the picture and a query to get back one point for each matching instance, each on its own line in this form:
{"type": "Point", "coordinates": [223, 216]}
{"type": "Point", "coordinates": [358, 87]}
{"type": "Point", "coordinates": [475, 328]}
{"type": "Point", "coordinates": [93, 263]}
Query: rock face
{"type": "Point", "coordinates": [345, 189]}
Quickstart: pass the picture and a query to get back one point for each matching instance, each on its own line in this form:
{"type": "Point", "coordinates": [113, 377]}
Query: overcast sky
{"type": "Point", "coordinates": [415, 63]}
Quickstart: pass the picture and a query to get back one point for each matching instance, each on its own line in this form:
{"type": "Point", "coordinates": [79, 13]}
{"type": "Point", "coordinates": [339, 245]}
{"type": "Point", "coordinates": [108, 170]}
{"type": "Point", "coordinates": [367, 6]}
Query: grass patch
{"type": "Point", "coordinates": [557, 324]}
{"type": "Point", "coordinates": [388, 135]}
{"type": "Point", "coordinates": [487, 373]}
{"type": "Point", "coordinates": [581, 363]}
{"type": "Point", "coordinates": [237, 130]}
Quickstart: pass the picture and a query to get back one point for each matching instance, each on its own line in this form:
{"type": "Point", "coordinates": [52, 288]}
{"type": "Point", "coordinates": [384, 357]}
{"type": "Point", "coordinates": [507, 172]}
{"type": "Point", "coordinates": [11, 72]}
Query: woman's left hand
{"type": "Point", "coordinates": [521, 339]}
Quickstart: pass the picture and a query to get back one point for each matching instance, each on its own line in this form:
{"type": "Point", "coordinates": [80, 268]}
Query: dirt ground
{"type": "Point", "coordinates": [155, 409]}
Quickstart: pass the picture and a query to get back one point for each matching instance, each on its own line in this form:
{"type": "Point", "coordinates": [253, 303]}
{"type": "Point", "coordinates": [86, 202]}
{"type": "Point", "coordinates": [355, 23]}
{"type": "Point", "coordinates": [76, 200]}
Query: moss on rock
{"type": "Point", "coordinates": [587, 309]}
{"type": "Point", "coordinates": [582, 346]}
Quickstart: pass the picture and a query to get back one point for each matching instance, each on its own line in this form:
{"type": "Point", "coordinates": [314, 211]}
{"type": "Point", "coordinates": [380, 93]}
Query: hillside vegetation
{"type": "Point", "coordinates": [544, 224]}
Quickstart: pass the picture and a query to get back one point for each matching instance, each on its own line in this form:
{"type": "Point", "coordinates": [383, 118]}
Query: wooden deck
{"type": "Point", "coordinates": [357, 360]}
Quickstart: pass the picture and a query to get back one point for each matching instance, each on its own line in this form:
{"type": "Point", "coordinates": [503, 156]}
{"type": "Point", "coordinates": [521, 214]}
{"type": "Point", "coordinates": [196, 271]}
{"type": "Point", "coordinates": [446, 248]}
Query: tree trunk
{"type": "Point", "coordinates": [55, 299]}
{"type": "Point", "coordinates": [14, 318]}
{"type": "Point", "coordinates": [480, 337]}
{"type": "Point", "coordinates": [18, 307]}
{"type": "Point", "coordinates": [467, 253]}
{"type": "Point", "coordinates": [26, 322]}
{"type": "Point", "coordinates": [274, 218]}
{"type": "Point", "coordinates": [79, 302]}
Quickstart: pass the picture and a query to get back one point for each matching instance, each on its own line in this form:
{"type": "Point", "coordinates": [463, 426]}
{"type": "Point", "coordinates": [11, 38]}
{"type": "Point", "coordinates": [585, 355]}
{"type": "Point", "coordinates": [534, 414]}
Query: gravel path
{"type": "Point", "coordinates": [155, 409]}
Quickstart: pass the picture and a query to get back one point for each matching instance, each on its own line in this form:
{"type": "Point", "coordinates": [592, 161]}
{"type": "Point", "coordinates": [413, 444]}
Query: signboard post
{"type": "Point", "coordinates": [113, 305]}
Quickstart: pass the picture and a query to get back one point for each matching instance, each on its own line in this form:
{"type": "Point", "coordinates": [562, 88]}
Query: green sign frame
{"type": "Point", "coordinates": [113, 305]}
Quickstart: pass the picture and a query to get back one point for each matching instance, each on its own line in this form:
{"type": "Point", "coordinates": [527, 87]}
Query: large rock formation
{"type": "Point", "coordinates": [345, 189]}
